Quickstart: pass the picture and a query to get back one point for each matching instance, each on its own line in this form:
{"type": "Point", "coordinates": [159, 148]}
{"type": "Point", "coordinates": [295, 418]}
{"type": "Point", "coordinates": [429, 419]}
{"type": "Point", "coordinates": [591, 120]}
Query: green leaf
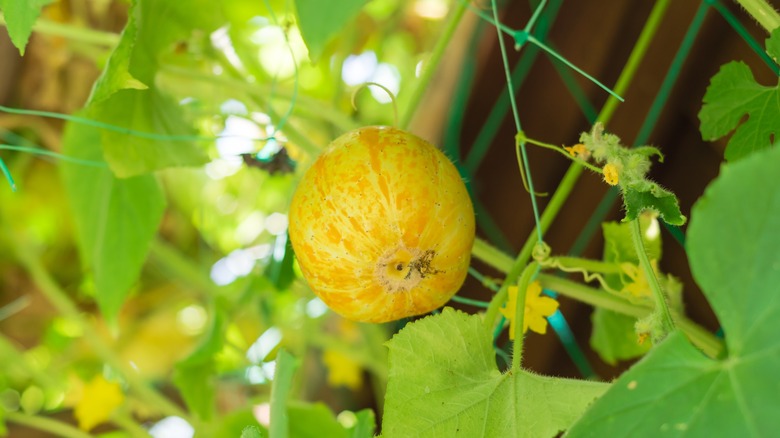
{"type": "Point", "coordinates": [251, 432]}
{"type": "Point", "coordinates": [163, 25]}
{"type": "Point", "coordinates": [20, 16]}
{"type": "Point", "coordinates": [194, 376]}
{"type": "Point", "coordinates": [619, 246]}
{"type": "Point", "coordinates": [773, 45]}
{"type": "Point", "coordinates": [116, 219]}
{"type": "Point", "coordinates": [313, 420]}
{"type": "Point", "coordinates": [443, 381]}
{"type": "Point", "coordinates": [614, 337]}
{"type": "Point", "coordinates": [732, 94]}
{"type": "Point", "coordinates": [733, 249]}
{"type": "Point", "coordinates": [732, 244]}
{"type": "Point", "coordinates": [654, 197]}
{"type": "Point", "coordinates": [116, 76]}
{"type": "Point", "coordinates": [316, 420]}
{"type": "Point", "coordinates": [365, 426]}
{"type": "Point", "coordinates": [150, 39]}
{"type": "Point", "coordinates": [147, 111]}
{"type": "Point", "coordinates": [280, 392]}
{"type": "Point", "coordinates": [280, 268]}
{"type": "Point", "coordinates": [235, 422]}
{"type": "Point", "coordinates": [320, 21]}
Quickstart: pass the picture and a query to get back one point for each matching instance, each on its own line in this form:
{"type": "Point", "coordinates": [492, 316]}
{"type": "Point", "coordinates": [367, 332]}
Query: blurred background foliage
{"type": "Point", "coordinates": [219, 293]}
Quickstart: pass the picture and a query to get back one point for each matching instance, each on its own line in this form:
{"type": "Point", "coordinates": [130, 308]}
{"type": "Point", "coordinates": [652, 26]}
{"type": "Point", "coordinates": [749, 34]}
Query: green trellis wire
{"type": "Point", "coordinates": [675, 68]}
{"type": "Point", "coordinates": [572, 175]}
{"type": "Point", "coordinates": [497, 114]}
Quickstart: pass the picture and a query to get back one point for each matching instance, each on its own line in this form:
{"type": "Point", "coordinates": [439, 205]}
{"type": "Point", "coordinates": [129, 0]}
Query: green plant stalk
{"type": "Point", "coordinates": [701, 338]}
{"type": "Point", "coordinates": [564, 153]}
{"type": "Point", "coordinates": [735, 24]}
{"type": "Point", "coordinates": [575, 169]}
{"type": "Point", "coordinates": [522, 290]}
{"type": "Point", "coordinates": [73, 33]}
{"type": "Point", "coordinates": [490, 255]}
{"type": "Point", "coordinates": [706, 341]}
{"type": "Point", "coordinates": [54, 427]}
{"type": "Point", "coordinates": [433, 64]}
{"type": "Point", "coordinates": [594, 297]}
{"type": "Point", "coordinates": [124, 420]}
{"type": "Point", "coordinates": [762, 12]}
{"type": "Point", "coordinates": [65, 306]}
{"type": "Point", "coordinates": [660, 300]}
{"type": "Point", "coordinates": [635, 58]}
{"type": "Point", "coordinates": [469, 301]}
{"type": "Point", "coordinates": [280, 390]}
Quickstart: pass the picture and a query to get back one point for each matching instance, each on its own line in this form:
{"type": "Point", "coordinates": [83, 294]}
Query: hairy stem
{"type": "Point", "coordinates": [522, 289]}
{"type": "Point", "coordinates": [660, 299]}
{"type": "Point", "coordinates": [762, 12]}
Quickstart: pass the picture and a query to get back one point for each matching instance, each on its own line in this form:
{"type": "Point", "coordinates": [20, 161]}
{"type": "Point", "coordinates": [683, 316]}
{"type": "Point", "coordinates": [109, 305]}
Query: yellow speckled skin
{"type": "Point", "coordinates": [382, 226]}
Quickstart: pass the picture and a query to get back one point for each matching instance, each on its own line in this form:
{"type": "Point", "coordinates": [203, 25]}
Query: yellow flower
{"type": "Point", "coordinates": [611, 174]}
{"type": "Point", "coordinates": [98, 401]}
{"type": "Point", "coordinates": [537, 307]}
{"type": "Point", "coordinates": [578, 151]}
{"type": "Point", "coordinates": [342, 370]}
{"type": "Point", "coordinates": [638, 287]}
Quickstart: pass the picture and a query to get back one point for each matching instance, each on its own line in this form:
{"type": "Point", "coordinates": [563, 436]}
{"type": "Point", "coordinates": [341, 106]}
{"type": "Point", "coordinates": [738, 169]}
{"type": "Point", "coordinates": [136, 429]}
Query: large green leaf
{"type": "Point", "coordinates": [152, 112]}
{"type": "Point", "coordinates": [20, 15]}
{"type": "Point", "coordinates": [734, 93]}
{"type": "Point", "coordinates": [773, 45]}
{"type": "Point", "coordinates": [443, 381]}
{"type": "Point", "coordinates": [116, 219]}
{"type": "Point", "coordinates": [320, 21]}
{"type": "Point", "coordinates": [116, 76]}
{"type": "Point", "coordinates": [675, 390]}
{"type": "Point", "coordinates": [151, 37]}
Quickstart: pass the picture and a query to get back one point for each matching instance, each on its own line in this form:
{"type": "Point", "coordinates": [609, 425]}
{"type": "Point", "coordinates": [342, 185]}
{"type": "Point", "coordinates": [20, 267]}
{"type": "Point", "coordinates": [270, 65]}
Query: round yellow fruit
{"type": "Point", "coordinates": [382, 226]}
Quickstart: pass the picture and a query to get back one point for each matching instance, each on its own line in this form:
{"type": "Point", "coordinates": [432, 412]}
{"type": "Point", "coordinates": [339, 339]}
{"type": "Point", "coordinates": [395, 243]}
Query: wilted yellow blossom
{"type": "Point", "coordinates": [578, 151]}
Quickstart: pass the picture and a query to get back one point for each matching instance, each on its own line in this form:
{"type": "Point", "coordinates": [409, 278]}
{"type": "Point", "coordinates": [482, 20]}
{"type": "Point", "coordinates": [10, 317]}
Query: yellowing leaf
{"type": "Point", "coordinates": [98, 401]}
